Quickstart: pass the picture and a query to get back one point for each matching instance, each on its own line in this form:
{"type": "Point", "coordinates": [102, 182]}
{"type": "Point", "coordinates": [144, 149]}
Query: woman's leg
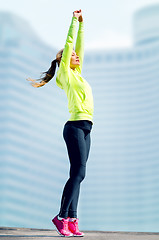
{"type": "Point", "coordinates": [73, 206]}
{"type": "Point", "coordinates": [78, 153]}
{"type": "Point", "coordinates": [72, 212]}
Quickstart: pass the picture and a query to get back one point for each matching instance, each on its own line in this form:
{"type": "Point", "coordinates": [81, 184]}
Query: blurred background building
{"type": "Point", "coordinates": [31, 120]}
{"type": "Point", "coordinates": [121, 190]}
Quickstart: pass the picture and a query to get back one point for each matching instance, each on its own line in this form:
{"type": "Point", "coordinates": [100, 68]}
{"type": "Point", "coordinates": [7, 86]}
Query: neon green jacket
{"type": "Point", "coordinates": [77, 89]}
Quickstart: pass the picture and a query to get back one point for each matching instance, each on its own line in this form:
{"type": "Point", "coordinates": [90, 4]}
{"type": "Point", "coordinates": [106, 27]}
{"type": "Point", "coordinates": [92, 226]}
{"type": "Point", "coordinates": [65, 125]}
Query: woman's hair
{"type": "Point", "coordinates": [49, 74]}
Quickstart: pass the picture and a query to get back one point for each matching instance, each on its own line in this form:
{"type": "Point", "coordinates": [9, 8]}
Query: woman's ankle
{"type": "Point", "coordinates": [72, 219]}
{"type": "Point", "coordinates": [60, 218]}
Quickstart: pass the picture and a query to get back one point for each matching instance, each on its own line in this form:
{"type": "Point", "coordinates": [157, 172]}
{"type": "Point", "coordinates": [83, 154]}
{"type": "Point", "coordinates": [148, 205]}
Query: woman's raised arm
{"type": "Point", "coordinates": [79, 49]}
{"type": "Point", "coordinates": [66, 56]}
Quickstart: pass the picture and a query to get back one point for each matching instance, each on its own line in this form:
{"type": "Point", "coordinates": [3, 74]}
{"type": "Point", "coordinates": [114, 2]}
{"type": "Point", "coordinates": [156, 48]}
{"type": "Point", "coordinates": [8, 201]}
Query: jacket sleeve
{"type": "Point", "coordinates": [67, 52]}
{"type": "Point", "coordinates": [79, 49]}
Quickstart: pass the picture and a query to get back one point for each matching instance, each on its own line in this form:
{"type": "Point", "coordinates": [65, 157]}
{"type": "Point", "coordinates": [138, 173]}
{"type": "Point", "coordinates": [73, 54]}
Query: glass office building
{"type": "Point", "coordinates": [33, 158]}
{"type": "Point", "coordinates": [121, 190]}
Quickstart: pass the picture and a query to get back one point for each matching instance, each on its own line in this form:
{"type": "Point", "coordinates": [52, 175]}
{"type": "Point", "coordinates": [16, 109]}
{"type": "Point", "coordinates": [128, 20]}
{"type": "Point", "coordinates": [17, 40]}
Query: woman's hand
{"type": "Point", "coordinates": [78, 15]}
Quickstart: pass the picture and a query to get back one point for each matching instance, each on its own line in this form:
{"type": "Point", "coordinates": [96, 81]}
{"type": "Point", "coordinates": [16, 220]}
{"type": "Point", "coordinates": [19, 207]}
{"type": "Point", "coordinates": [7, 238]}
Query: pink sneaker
{"type": "Point", "coordinates": [62, 226]}
{"type": "Point", "coordinates": [73, 227]}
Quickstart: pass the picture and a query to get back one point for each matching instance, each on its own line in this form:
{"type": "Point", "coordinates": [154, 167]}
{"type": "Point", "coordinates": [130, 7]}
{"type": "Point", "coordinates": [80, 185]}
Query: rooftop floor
{"type": "Point", "coordinates": [8, 233]}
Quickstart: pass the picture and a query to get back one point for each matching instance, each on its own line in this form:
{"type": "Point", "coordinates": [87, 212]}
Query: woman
{"type": "Point", "coordinates": [77, 130]}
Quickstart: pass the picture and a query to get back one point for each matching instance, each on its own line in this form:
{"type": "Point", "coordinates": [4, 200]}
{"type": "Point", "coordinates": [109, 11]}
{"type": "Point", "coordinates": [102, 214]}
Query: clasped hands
{"type": "Point", "coordinates": [78, 15]}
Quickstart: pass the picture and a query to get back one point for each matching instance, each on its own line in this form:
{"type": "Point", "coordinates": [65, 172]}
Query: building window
{"type": "Point", "coordinates": [139, 55]}
{"type": "Point", "coordinates": [108, 58]}
{"type": "Point", "coordinates": [129, 56]}
{"type": "Point", "coordinates": [98, 58]}
{"type": "Point", "coordinates": [119, 57]}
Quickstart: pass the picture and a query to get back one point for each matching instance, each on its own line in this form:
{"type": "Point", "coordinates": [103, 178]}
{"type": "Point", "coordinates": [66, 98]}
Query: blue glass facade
{"type": "Point", "coordinates": [33, 155]}
{"type": "Point", "coordinates": [122, 187]}
{"type": "Point", "coordinates": [121, 190]}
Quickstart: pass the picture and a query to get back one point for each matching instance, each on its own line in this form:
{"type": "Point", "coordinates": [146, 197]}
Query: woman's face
{"type": "Point", "coordinates": [74, 61]}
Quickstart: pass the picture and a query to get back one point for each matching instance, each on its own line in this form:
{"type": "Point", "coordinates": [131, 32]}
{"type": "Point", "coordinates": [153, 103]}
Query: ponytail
{"type": "Point", "coordinates": [48, 75]}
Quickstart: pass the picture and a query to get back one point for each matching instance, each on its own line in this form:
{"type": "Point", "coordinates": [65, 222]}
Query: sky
{"type": "Point", "coordinates": [108, 24]}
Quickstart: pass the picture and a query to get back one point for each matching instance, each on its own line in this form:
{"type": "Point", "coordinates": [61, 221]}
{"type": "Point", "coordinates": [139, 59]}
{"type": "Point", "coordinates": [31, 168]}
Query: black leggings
{"type": "Point", "coordinates": [77, 137]}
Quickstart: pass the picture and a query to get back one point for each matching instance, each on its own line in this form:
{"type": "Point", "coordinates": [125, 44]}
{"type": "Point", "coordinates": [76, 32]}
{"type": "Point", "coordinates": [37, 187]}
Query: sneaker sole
{"type": "Point", "coordinates": [61, 233]}
{"type": "Point", "coordinates": [78, 235]}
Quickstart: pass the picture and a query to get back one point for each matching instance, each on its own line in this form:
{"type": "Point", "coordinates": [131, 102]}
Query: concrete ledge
{"type": "Point", "coordinates": [41, 234]}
